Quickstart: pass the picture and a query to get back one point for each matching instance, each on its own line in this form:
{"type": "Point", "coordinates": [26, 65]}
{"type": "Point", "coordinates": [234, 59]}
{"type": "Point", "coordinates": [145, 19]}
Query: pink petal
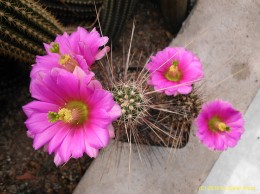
{"type": "Point", "coordinates": [39, 107]}
{"type": "Point", "coordinates": [94, 85]}
{"type": "Point", "coordinates": [97, 137]}
{"type": "Point", "coordinates": [184, 89]}
{"type": "Point", "coordinates": [91, 152]}
{"type": "Point", "coordinates": [115, 112]}
{"type": "Point", "coordinates": [45, 136]}
{"type": "Point", "coordinates": [77, 143]}
{"type": "Point", "coordinates": [102, 53]}
{"type": "Point", "coordinates": [38, 122]}
{"type": "Point", "coordinates": [111, 131]}
{"type": "Point", "coordinates": [58, 160]}
{"type": "Point", "coordinates": [58, 138]}
{"type": "Point", "coordinates": [64, 149]}
{"type": "Point", "coordinates": [43, 91]}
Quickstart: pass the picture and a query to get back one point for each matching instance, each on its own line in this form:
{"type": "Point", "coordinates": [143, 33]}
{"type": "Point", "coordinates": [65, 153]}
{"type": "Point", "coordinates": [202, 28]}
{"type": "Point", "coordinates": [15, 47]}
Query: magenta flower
{"type": "Point", "coordinates": [81, 48]}
{"type": "Point", "coordinates": [174, 70]}
{"type": "Point", "coordinates": [72, 114]}
{"type": "Point", "coordinates": [219, 125]}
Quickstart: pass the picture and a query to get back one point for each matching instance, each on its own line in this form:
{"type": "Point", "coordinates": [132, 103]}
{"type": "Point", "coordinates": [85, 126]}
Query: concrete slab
{"type": "Point", "coordinates": [225, 34]}
{"type": "Point", "coordinates": [238, 169]}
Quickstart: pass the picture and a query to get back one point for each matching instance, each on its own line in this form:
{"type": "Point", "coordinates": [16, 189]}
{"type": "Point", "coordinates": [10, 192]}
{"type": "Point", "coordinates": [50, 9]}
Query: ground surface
{"type": "Point", "coordinates": [24, 170]}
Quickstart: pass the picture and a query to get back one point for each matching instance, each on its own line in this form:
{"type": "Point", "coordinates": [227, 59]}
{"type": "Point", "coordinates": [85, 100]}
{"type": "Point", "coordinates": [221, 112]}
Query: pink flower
{"type": "Point", "coordinates": [81, 48]}
{"type": "Point", "coordinates": [72, 114]}
{"type": "Point", "coordinates": [219, 125]}
{"type": "Point", "coordinates": [174, 70]}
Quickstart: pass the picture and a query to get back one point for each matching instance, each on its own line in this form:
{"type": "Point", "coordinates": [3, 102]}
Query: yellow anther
{"type": "Point", "coordinates": [68, 62]}
{"type": "Point", "coordinates": [64, 59]}
{"type": "Point", "coordinates": [173, 73]}
{"type": "Point", "coordinates": [215, 124]}
{"type": "Point", "coordinates": [65, 115]}
{"type": "Point", "coordinates": [223, 127]}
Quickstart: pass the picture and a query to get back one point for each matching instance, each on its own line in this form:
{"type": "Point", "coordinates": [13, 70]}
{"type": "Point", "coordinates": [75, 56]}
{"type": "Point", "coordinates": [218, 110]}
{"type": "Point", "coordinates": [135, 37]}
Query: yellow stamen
{"type": "Point", "coordinates": [68, 62]}
{"type": "Point", "coordinates": [65, 115]}
{"type": "Point", "coordinates": [173, 73]}
{"type": "Point", "coordinates": [64, 59]}
{"type": "Point", "coordinates": [215, 124]}
{"type": "Point", "coordinates": [223, 127]}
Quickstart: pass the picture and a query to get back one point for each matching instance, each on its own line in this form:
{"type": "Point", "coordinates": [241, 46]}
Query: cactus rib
{"type": "Point", "coordinates": [25, 25]}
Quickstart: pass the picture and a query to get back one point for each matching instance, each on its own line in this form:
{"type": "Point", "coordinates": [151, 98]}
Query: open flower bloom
{"type": "Point", "coordinates": [72, 114]}
{"type": "Point", "coordinates": [81, 48]}
{"type": "Point", "coordinates": [174, 70]}
{"type": "Point", "coordinates": [219, 125]}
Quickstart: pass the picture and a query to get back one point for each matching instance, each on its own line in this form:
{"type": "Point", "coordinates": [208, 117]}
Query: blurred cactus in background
{"type": "Point", "coordinates": [113, 13]}
{"type": "Point", "coordinates": [73, 12]}
{"type": "Point", "coordinates": [25, 25]}
{"type": "Point", "coordinates": [174, 12]}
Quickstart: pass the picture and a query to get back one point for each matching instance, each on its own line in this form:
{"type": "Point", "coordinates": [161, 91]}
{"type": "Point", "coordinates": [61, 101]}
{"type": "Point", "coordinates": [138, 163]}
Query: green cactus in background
{"type": "Point", "coordinates": [25, 25]}
{"type": "Point", "coordinates": [73, 11]}
{"type": "Point", "coordinates": [113, 13]}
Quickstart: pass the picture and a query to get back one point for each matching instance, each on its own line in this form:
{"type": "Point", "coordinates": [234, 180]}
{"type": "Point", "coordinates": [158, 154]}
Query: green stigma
{"type": "Point", "coordinates": [175, 63]}
{"type": "Point", "coordinates": [53, 116]}
{"type": "Point", "coordinates": [55, 48]}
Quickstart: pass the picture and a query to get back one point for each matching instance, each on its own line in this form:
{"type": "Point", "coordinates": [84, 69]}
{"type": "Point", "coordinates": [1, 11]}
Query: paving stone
{"type": "Point", "coordinates": [237, 170]}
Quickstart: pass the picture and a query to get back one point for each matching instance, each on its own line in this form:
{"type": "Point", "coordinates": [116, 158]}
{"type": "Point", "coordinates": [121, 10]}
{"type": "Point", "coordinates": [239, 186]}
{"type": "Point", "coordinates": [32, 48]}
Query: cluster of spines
{"type": "Point", "coordinates": [188, 105]}
{"type": "Point", "coordinates": [131, 101]}
{"type": "Point", "coordinates": [173, 115]}
{"type": "Point", "coordinates": [25, 25]}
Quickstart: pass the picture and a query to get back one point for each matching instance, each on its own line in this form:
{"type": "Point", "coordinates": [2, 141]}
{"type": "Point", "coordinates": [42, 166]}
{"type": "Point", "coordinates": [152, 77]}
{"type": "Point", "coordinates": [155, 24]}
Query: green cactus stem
{"type": "Point", "coordinates": [114, 15]}
{"type": "Point", "coordinates": [25, 25]}
{"type": "Point", "coordinates": [73, 11]}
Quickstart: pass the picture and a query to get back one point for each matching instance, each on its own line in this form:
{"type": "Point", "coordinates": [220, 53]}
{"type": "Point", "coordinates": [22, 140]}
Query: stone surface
{"type": "Point", "coordinates": [225, 34]}
{"type": "Point", "coordinates": [239, 168]}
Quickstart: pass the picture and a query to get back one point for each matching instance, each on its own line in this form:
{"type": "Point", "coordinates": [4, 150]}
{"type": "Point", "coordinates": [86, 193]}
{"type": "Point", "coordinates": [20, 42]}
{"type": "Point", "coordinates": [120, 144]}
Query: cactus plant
{"type": "Point", "coordinates": [174, 12]}
{"type": "Point", "coordinates": [25, 25]}
{"type": "Point", "coordinates": [113, 16]}
{"type": "Point", "coordinates": [73, 11]}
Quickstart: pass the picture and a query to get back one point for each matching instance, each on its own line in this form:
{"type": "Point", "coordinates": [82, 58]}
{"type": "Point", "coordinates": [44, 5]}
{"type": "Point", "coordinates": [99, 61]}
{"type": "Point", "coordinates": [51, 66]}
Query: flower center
{"type": "Point", "coordinates": [215, 124]}
{"type": "Point", "coordinates": [66, 61]}
{"type": "Point", "coordinates": [75, 113]}
{"type": "Point", "coordinates": [173, 73]}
